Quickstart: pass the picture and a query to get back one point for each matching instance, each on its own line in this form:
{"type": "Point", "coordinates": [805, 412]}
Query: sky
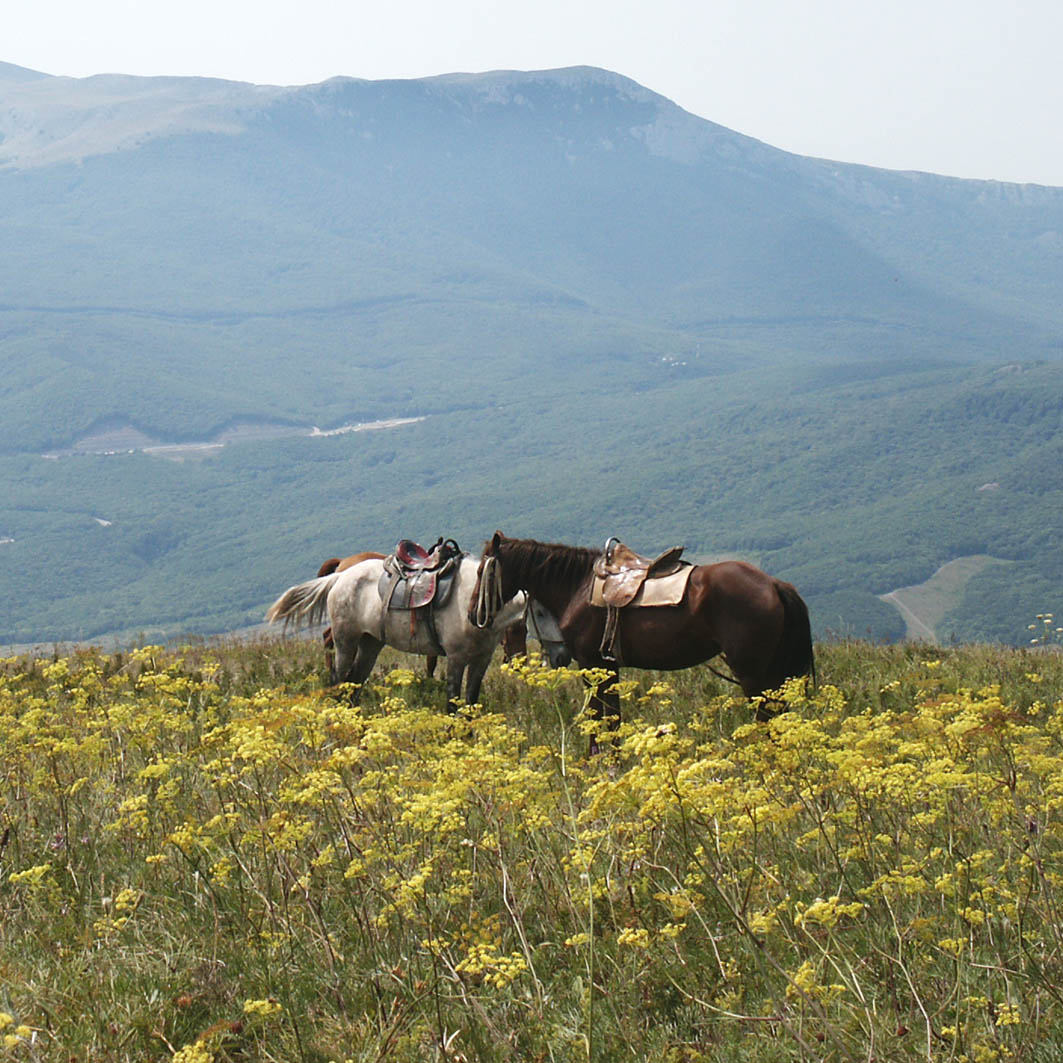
{"type": "Point", "coordinates": [967, 88]}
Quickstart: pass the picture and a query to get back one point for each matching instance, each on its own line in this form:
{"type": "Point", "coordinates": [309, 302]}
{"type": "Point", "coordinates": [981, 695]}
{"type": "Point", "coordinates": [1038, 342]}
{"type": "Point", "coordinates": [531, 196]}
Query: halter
{"type": "Point", "coordinates": [489, 599]}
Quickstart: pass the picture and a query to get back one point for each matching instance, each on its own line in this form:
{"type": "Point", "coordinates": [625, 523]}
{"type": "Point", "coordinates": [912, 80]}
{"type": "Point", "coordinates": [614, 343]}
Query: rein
{"type": "Point", "coordinates": [720, 675]}
{"type": "Point", "coordinates": [489, 599]}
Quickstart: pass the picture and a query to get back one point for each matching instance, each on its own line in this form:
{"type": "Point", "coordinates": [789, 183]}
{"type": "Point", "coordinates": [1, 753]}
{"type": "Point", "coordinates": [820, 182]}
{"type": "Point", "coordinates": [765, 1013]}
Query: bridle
{"type": "Point", "coordinates": [489, 599]}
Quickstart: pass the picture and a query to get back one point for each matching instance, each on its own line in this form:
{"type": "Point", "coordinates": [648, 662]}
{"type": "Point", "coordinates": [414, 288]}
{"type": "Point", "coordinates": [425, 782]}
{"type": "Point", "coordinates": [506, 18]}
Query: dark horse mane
{"type": "Point", "coordinates": [555, 563]}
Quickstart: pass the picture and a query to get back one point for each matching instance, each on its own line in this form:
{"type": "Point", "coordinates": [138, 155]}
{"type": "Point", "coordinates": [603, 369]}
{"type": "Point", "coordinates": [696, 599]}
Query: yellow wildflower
{"type": "Point", "coordinates": [196, 1052]}
{"type": "Point", "coordinates": [262, 1008]}
{"type": "Point", "coordinates": [1009, 1015]}
{"type": "Point", "coordinates": [635, 937]}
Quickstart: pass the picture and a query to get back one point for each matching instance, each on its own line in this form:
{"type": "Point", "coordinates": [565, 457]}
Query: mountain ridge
{"type": "Point", "coordinates": [90, 92]}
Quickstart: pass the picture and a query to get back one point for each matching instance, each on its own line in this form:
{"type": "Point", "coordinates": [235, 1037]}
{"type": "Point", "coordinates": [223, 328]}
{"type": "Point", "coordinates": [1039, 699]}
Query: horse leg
{"type": "Point", "coordinates": [791, 656]}
{"type": "Point", "coordinates": [604, 705]}
{"type": "Point", "coordinates": [342, 658]}
{"type": "Point", "coordinates": [368, 650]}
{"type": "Point", "coordinates": [355, 662]}
{"type": "Point", "coordinates": [330, 653]}
{"type": "Point", "coordinates": [475, 671]}
{"type": "Point", "coordinates": [430, 665]}
{"type": "Point", "coordinates": [455, 675]}
{"type": "Point", "coordinates": [754, 679]}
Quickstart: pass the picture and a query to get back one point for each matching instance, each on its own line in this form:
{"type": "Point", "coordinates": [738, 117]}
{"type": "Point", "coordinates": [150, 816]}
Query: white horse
{"type": "Point", "coordinates": [362, 625]}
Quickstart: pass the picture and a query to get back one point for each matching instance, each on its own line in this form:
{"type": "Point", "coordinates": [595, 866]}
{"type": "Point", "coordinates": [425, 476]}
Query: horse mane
{"type": "Point", "coordinates": [547, 563]}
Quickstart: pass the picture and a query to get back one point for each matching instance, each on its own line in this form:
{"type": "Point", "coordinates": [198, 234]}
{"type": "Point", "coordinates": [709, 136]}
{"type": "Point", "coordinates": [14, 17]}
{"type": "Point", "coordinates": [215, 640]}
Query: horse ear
{"type": "Point", "coordinates": [496, 541]}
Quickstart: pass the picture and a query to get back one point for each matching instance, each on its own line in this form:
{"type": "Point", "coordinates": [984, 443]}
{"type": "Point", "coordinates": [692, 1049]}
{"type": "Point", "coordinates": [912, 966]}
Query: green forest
{"type": "Point", "coordinates": [849, 486]}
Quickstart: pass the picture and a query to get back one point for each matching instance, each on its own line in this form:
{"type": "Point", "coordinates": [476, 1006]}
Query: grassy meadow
{"type": "Point", "coordinates": [205, 856]}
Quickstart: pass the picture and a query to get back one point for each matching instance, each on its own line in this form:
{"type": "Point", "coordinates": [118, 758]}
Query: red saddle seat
{"type": "Point", "coordinates": [412, 557]}
{"type": "Point", "coordinates": [414, 577]}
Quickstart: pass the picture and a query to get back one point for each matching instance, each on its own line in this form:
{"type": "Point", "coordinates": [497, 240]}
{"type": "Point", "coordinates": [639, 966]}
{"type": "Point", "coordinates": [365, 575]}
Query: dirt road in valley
{"type": "Point", "coordinates": [917, 629]}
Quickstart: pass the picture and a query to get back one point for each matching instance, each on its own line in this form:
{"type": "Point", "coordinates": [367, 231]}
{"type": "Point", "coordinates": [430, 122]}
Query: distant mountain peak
{"type": "Point", "coordinates": [618, 108]}
{"type": "Point", "coordinates": [10, 72]}
{"type": "Point", "coordinates": [569, 77]}
{"type": "Point", "coordinates": [46, 120]}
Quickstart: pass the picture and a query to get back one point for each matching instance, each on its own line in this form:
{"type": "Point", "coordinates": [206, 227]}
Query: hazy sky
{"type": "Point", "coordinates": [970, 88]}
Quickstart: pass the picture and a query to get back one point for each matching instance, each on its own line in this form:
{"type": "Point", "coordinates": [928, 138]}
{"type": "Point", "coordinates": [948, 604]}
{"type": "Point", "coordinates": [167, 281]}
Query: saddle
{"type": "Point", "coordinates": [624, 578]}
{"type": "Point", "coordinates": [414, 578]}
{"type": "Point", "coordinates": [620, 573]}
{"type": "Point", "coordinates": [411, 557]}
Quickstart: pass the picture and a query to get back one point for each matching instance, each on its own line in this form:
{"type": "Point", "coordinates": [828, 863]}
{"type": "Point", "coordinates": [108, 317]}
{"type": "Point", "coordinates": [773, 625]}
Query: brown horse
{"type": "Point", "coordinates": [514, 641]}
{"type": "Point", "coordinates": [758, 623]}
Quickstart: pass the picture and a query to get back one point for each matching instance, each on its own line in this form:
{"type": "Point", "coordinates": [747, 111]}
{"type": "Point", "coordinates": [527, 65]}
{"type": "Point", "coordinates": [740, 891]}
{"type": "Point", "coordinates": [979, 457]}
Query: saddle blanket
{"type": "Point", "coordinates": [662, 590]}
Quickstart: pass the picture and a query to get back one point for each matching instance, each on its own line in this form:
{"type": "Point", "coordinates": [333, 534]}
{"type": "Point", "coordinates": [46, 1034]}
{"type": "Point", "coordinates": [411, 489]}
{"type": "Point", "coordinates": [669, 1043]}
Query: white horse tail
{"type": "Point", "coordinates": [305, 603]}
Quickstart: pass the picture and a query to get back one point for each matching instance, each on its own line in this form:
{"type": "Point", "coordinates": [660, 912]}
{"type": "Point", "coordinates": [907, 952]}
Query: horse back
{"type": "Point", "coordinates": [336, 564]}
{"type": "Point", "coordinates": [758, 614]}
{"type": "Point", "coordinates": [731, 607]}
{"type": "Point", "coordinates": [736, 586]}
{"type": "Point", "coordinates": [353, 579]}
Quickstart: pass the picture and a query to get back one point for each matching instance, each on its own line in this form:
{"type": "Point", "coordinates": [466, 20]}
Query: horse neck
{"type": "Point", "coordinates": [468, 581]}
{"type": "Point", "coordinates": [551, 574]}
{"type": "Point", "coordinates": [451, 619]}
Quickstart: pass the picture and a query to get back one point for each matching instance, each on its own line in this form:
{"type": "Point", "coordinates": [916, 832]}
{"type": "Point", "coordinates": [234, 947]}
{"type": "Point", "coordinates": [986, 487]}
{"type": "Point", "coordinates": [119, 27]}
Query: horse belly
{"type": "Point", "coordinates": [408, 630]}
{"type": "Point", "coordinates": [658, 637]}
{"type": "Point", "coordinates": [667, 643]}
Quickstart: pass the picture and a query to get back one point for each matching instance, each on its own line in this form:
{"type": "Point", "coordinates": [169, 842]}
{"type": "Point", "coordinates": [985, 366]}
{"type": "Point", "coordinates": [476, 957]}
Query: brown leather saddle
{"type": "Point", "coordinates": [414, 578]}
{"type": "Point", "coordinates": [622, 572]}
{"type": "Point", "coordinates": [621, 576]}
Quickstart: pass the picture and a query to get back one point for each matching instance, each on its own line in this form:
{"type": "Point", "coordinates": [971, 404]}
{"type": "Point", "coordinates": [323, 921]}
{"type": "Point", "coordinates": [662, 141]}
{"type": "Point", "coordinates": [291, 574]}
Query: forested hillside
{"type": "Point", "coordinates": [594, 313]}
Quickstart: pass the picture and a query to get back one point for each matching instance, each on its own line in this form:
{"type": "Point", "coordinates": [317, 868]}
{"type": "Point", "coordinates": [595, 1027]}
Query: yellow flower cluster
{"type": "Point", "coordinates": [262, 1008]}
{"type": "Point", "coordinates": [493, 967]}
{"type": "Point", "coordinates": [858, 864]}
{"type": "Point", "coordinates": [196, 1052]}
{"type": "Point", "coordinates": [13, 1033]}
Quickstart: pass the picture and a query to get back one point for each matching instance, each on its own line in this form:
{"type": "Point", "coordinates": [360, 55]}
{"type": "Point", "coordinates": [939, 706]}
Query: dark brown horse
{"type": "Point", "coordinates": [758, 623]}
{"type": "Point", "coordinates": [514, 641]}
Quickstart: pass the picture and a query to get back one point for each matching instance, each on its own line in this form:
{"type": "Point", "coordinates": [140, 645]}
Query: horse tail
{"type": "Point", "coordinates": [304, 603]}
{"type": "Point", "coordinates": [794, 655]}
